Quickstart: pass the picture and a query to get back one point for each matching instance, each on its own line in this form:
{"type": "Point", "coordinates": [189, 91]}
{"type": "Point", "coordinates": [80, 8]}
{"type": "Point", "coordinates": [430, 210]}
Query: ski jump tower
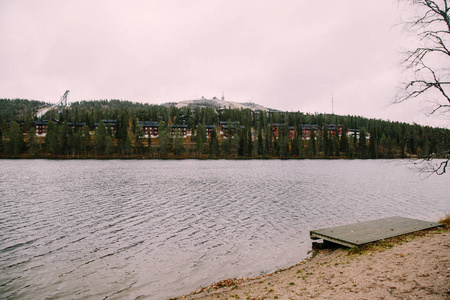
{"type": "Point", "coordinates": [62, 102]}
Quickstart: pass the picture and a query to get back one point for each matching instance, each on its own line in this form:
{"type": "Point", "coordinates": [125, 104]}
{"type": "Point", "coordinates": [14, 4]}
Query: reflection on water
{"type": "Point", "coordinates": [158, 229]}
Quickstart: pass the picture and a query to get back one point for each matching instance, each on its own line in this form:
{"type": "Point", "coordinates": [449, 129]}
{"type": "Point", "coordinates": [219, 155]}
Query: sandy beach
{"type": "Point", "coordinates": [413, 267]}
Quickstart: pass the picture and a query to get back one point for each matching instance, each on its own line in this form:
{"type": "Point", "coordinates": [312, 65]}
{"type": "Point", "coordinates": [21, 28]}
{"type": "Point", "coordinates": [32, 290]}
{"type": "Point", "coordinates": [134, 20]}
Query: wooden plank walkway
{"type": "Point", "coordinates": [354, 235]}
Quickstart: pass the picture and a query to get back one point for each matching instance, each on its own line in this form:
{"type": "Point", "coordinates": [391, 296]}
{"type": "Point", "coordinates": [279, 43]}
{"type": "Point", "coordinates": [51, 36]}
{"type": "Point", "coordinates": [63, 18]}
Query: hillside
{"type": "Point", "coordinates": [220, 104]}
{"type": "Point", "coordinates": [206, 128]}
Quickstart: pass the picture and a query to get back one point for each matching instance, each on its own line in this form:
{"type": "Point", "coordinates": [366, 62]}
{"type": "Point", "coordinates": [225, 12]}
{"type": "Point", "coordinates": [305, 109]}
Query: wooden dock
{"type": "Point", "coordinates": [355, 235]}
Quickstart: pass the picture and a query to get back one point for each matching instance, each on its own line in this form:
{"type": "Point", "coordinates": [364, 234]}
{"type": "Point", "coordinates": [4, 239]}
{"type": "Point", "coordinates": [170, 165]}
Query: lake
{"type": "Point", "coordinates": [154, 229]}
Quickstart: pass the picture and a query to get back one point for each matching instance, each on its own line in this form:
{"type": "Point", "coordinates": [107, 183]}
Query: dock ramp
{"type": "Point", "coordinates": [355, 235]}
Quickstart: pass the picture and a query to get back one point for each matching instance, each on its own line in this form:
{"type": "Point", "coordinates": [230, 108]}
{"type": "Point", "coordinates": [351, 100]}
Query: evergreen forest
{"type": "Point", "coordinates": [83, 130]}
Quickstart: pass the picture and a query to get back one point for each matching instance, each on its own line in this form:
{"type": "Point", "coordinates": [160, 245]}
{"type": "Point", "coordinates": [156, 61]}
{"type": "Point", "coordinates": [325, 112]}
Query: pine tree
{"type": "Point", "coordinates": [312, 144]}
{"type": "Point", "coordinates": [301, 147]}
{"type": "Point", "coordinates": [51, 139]}
{"type": "Point", "coordinates": [122, 130]}
{"type": "Point", "coordinates": [65, 138]}
{"type": "Point", "coordinates": [373, 148]}
{"type": "Point", "coordinates": [250, 142]}
{"type": "Point", "coordinates": [235, 145]}
{"type": "Point", "coordinates": [2, 142]}
{"type": "Point", "coordinates": [149, 143]}
{"type": "Point", "coordinates": [108, 145]}
{"type": "Point", "coordinates": [260, 143]}
{"type": "Point", "coordinates": [139, 139]}
{"type": "Point", "coordinates": [128, 145]}
{"type": "Point", "coordinates": [99, 138]}
{"type": "Point", "coordinates": [85, 140]}
{"type": "Point", "coordinates": [325, 141]}
{"type": "Point", "coordinates": [162, 138]}
{"type": "Point", "coordinates": [77, 142]}
{"type": "Point", "coordinates": [294, 145]}
{"type": "Point", "coordinates": [178, 148]}
{"type": "Point", "coordinates": [343, 145]}
{"type": "Point", "coordinates": [363, 151]}
{"type": "Point", "coordinates": [200, 139]}
{"type": "Point", "coordinates": [243, 145]}
{"type": "Point", "coordinates": [335, 145]}
{"type": "Point", "coordinates": [267, 142]}
{"type": "Point", "coordinates": [214, 144]}
{"type": "Point", "coordinates": [284, 146]}
{"type": "Point", "coordinates": [32, 142]}
{"type": "Point", "coordinates": [319, 143]}
{"type": "Point", "coordinates": [225, 147]}
{"type": "Point", "coordinates": [15, 144]}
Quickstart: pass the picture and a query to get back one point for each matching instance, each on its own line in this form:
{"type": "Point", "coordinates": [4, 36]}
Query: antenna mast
{"type": "Point", "coordinates": [332, 104]}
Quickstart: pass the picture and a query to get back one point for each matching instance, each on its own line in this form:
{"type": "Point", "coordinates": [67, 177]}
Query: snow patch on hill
{"type": "Point", "coordinates": [220, 104]}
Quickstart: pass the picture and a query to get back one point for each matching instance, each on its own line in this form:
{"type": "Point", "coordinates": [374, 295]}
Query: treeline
{"type": "Point", "coordinates": [253, 134]}
{"type": "Point", "coordinates": [19, 109]}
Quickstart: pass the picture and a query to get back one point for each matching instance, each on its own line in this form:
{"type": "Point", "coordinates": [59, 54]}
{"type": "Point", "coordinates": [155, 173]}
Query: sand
{"type": "Point", "coordinates": [415, 268]}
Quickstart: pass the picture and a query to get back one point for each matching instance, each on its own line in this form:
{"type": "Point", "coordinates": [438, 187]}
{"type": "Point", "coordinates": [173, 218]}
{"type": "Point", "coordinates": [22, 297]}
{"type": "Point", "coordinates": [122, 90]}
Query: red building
{"type": "Point", "coordinates": [149, 127]}
{"type": "Point", "coordinates": [228, 129]}
{"type": "Point", "coordinates": [108, 123]}
{"type": "Point", "coordinates": [180, 129]}
{"type": "Point", "coordinates": [41, 127]}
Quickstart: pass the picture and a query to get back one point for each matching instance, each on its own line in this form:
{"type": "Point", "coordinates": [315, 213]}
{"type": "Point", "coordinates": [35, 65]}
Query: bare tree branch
{"type": "Point", "coordinates": [428, 63]}
{"type": "Point", "coordinates": [436, 163]}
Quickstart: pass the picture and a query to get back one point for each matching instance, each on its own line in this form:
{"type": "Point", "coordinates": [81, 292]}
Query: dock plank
{"type": "Point", "coordinates": [354, 235]}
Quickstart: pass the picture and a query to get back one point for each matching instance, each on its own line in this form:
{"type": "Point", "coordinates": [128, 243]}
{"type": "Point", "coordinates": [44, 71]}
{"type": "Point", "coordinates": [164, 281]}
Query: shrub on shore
{"type": "Point", "coordinates": [445, 221]}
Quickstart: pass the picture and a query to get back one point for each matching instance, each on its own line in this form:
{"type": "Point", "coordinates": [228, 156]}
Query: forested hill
{"type": "Point", "coordinates": [19, 109]}
{"type": "Point", "coordinates": [115, 128]}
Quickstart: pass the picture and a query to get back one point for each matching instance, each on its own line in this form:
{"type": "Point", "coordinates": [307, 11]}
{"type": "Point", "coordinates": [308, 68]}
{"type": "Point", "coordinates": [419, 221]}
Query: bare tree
{"type": "Point", "coordinates": [427, 64]}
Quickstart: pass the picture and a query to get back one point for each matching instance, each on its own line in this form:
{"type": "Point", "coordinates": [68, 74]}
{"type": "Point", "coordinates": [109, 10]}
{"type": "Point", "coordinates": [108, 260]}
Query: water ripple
{"type": "Point", "coordinates": [158, 229]}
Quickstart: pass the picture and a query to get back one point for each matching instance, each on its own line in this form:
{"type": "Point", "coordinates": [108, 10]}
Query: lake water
{"type": "Point", "coordinates": [153, 229]}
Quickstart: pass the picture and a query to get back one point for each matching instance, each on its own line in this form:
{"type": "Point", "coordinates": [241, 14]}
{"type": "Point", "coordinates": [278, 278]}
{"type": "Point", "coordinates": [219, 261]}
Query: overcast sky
{"type": "Point", "coordinates": [292, 55]}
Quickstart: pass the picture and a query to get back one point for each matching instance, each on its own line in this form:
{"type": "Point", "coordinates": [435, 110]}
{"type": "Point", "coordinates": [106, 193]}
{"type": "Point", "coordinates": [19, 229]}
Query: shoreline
{"type": "Point", "coordinates": [135, 157]}
{"type": "Point", "coordinates": [416, 265]}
